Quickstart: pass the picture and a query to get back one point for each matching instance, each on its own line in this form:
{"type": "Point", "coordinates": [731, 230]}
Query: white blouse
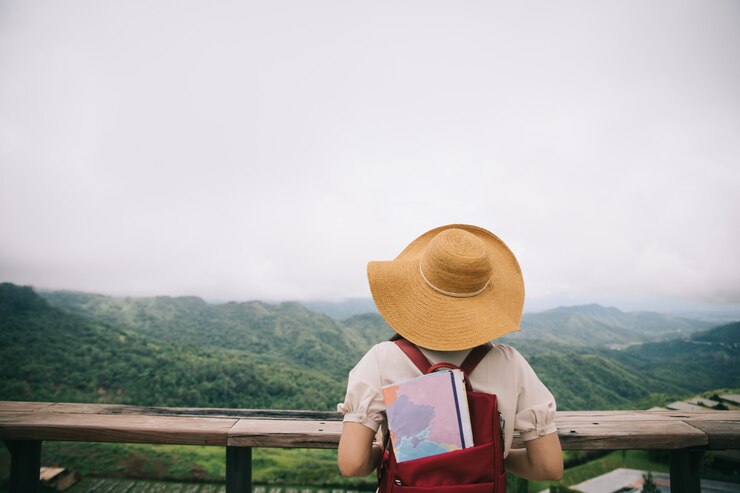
{"type": "Point", "coordinates": [524, 401]}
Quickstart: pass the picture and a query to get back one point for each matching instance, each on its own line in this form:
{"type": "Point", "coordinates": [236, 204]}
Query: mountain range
{"type": "Point", "coordinates": [596, 325]}
{"type": "Point", "coordinates": [76, 347]}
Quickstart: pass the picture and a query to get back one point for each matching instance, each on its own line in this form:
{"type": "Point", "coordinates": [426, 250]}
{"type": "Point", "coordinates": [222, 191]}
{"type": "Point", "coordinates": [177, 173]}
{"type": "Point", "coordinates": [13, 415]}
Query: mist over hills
{"type": "Point", "coordinates": [582, 325]}
{"type": "Point", "coordinates": [185, 352]}
{"type": "Point", "coordinates": [716, 314]}
{"type": "Point", "coordinates": [340, 310]}
{"type": "Point", "coordinates": [595, 325]}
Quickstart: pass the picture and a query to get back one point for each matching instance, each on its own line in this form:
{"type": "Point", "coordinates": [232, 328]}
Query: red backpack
{"type": "Point", "coordinates": [476, 469]}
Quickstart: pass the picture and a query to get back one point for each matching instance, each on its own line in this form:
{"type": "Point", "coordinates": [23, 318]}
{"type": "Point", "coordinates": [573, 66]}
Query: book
{"type": "Point", "coordinates": [428, 415]}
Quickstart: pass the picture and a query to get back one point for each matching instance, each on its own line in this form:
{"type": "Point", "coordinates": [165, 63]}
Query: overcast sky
{"type": "Point", "coordinates": [242, 150]}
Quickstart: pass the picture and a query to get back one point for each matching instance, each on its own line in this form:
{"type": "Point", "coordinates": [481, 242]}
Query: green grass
{"type": "Point", "coordinates": [276, 467]}
{"type": "Point", "coordinates": [192, 463]}
{"type": "Point", "coordinates": [270, 466]}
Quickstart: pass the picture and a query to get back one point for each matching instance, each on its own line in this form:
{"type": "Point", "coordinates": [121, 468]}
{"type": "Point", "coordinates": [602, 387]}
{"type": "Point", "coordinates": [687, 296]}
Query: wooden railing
{"type": "Point", "coordinates": [25, 425]}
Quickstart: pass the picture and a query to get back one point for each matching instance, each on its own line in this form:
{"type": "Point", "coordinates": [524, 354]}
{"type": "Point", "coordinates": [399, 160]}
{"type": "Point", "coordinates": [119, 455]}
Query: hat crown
{"type": "Point", "coordinates": [456, 262]}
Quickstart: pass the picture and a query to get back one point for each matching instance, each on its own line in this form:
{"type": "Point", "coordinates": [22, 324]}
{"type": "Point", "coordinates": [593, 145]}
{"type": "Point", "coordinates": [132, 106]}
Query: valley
{"type": "Point", "coordinates": [163, 351]}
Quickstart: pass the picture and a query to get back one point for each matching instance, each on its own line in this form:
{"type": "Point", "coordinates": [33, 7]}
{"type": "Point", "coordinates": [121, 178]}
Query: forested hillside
{"type": "Point", "coordinates": [185, 352]}
{"type": "Point", "coordinates": [595, 325]}
{"type": "Point", "coordinates": [47, 354]}
{"type": "Point", "coordinates": [706, 360]}
{"type": "Point", "coordinates": [289, 331]}
{"type": "Point", "coordinates": [590, 325]}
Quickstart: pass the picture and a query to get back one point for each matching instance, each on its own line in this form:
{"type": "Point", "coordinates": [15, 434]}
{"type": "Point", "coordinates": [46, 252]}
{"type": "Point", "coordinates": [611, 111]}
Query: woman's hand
{"type": "Point", "coordinates": [540, 460]}
{"type": "Point", "coordinates": [358, 455]}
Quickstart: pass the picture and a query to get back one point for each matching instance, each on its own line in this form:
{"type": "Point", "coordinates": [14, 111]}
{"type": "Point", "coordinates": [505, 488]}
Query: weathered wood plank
{"type": "Point", "coordinates": [281, 433]}
{"type": "Point", "coordinates": [270, 428]}
{"type": "Point", "coordinates": [194, 412]}
{"type": "Point", "coordinates": [123, 429]}
{"type": "Point", "coordinates": [22, 407]}
{"type": "Point", "coordinates": [564, 417]}
{"type": "Point", "coordinates": [723, 435]}
{"type": "Point", "coordinates": [631, 434]}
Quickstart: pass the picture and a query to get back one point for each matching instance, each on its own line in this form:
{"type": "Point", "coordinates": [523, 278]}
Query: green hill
{"type": "Point", "coordinates": [73, 347]}
{"type": "Point", "coordinates": [286, 332]}
{"type": "Point", "coordinates": [341, 310]}
{"type": "Point", "coordinates": [185, 352]}
{"type": "Point", "coordinates": [370, 327]}
{"type": "Point", "coordinates": [47, 354]}
{"type": "Point", "coordinates": [709, 359]}
{"type": "Point", "coordinates": [595, 325]}
{"type": "Point", "coordinates": [640, 375]}
{"type": "Point", "coordinates": [724, 334]}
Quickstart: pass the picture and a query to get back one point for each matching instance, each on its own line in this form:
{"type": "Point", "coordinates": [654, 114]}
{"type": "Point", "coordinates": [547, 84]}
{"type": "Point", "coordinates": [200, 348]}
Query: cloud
{"type": "Point", "coordinates": [270, 150]}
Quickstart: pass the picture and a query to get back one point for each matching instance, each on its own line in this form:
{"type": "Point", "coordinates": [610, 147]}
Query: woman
{"type": "Point", "coordinates": [452, 289]}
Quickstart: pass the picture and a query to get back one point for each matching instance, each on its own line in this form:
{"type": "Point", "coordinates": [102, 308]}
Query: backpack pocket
{"type": "Point", "coordinates": [463, 488]}
{"type": "Point", "coordinates": [460, 468]}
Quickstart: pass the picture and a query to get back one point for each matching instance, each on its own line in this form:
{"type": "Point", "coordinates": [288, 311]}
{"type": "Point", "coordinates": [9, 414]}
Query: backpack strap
{"type": "Point", "coordinates": [474, 357]}
{"type": "Point", "coordinates": [414, 354]}
{"type": "Point", "coordinates": [423, 364]}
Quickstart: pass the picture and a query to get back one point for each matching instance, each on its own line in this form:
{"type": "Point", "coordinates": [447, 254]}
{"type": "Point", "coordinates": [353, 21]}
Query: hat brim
{"type": "Point", "coordinates": [436, 321]}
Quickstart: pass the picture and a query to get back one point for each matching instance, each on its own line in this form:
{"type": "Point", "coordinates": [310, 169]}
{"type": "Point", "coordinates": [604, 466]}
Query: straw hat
{"type": "Point", "coordinates": [454, 287]}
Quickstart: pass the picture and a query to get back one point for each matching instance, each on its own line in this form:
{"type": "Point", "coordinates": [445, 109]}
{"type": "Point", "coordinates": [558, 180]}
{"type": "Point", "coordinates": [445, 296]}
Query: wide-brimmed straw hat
{"type": "Point", "coordinates": [454, 287]}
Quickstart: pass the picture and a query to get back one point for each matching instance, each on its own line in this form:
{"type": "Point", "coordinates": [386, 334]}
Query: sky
{"type": "Point", "coordinates": [268, 150]}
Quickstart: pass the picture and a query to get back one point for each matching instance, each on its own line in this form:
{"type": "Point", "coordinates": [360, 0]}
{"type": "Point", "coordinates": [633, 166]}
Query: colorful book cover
{"type": "Point", "coordinates": [428, 415]}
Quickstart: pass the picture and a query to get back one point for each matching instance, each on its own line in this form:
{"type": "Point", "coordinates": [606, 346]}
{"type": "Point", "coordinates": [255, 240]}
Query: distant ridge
{"type": "Point", "coordinates": [185, 352]}
{"type": "Point", "coordinates": [287, 330]}
{"type": "Point", "coordinates": [591, 309]}
{"type": "Point", "coordinates": [340, 310]}
{"type": "Point", "coordinates": [596, 325]}
{"type": "Point", "coordinates": [580, 325]}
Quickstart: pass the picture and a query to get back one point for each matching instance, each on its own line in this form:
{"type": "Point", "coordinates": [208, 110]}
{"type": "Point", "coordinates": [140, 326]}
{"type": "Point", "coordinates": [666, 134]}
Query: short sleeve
{"type": "Point", "coordinates": [363, 402]}
{"type": "Point", "coordinates": [535, 410]}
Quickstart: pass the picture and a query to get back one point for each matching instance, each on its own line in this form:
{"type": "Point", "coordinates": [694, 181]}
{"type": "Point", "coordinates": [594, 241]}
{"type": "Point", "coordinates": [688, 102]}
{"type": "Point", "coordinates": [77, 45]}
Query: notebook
{"type": "Point", "coordinates": [428, 415]}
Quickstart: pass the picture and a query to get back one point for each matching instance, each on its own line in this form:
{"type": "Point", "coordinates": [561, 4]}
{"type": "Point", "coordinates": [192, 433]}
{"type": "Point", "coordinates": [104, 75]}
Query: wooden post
{"type": "Point", "coordinates": [25, 463]}
{"type": "Point", "coordinates": [238, 469]}
{"type": "Point", "coordinates": [685, 469]}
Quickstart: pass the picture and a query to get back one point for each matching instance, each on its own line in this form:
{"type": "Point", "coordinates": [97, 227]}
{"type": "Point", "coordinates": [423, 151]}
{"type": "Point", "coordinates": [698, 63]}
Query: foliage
{"type": "Point", "coordinates": [708, 360]}
{"type": "Point", "coordinates": [648, 484]}
{"type": "Point", "coordinates": [595, 325]}
{"type": "Point", "coordinates": [724, 334]}
{"type": "Point", "coordinates": [287, 331]}
{"type": "Point", "coordinates": [516, 484]}
{"type": "Point", "coordinates": [581, 380]}
{"type": "Point", "coordinates": [562, 489]}
{"type": "Point", "coordinates": [193, 463]}
{"type": "Point", "coordinates": [73, 347]}
{"type": "Point", "coordinates": [185, 352]}
{"type": "Point", "coordinates": [49, 355]}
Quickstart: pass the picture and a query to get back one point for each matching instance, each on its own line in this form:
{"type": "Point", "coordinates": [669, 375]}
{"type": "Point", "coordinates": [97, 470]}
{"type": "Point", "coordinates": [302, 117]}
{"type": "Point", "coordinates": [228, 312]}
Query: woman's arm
{"type": "Point", "coordinates": [357, 454]}
{"type": "Point", "coordinates": [540, 460]}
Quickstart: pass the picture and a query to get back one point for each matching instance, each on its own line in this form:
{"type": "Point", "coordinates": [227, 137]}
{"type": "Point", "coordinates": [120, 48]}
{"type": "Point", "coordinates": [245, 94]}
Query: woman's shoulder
{"type": "Point", "coordinates": [507, 354]}
{"type": "Point", "coordinates": [385, 349]}
{"type": "Point", "coordinates": [505, 350]}
{"type": "Point", "coordinates": [382, 350]}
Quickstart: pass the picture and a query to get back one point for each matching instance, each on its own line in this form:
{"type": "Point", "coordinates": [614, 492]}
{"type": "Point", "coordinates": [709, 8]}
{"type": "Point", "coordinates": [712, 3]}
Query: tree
{"type": "Point", "coordinates": [648, 484]}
